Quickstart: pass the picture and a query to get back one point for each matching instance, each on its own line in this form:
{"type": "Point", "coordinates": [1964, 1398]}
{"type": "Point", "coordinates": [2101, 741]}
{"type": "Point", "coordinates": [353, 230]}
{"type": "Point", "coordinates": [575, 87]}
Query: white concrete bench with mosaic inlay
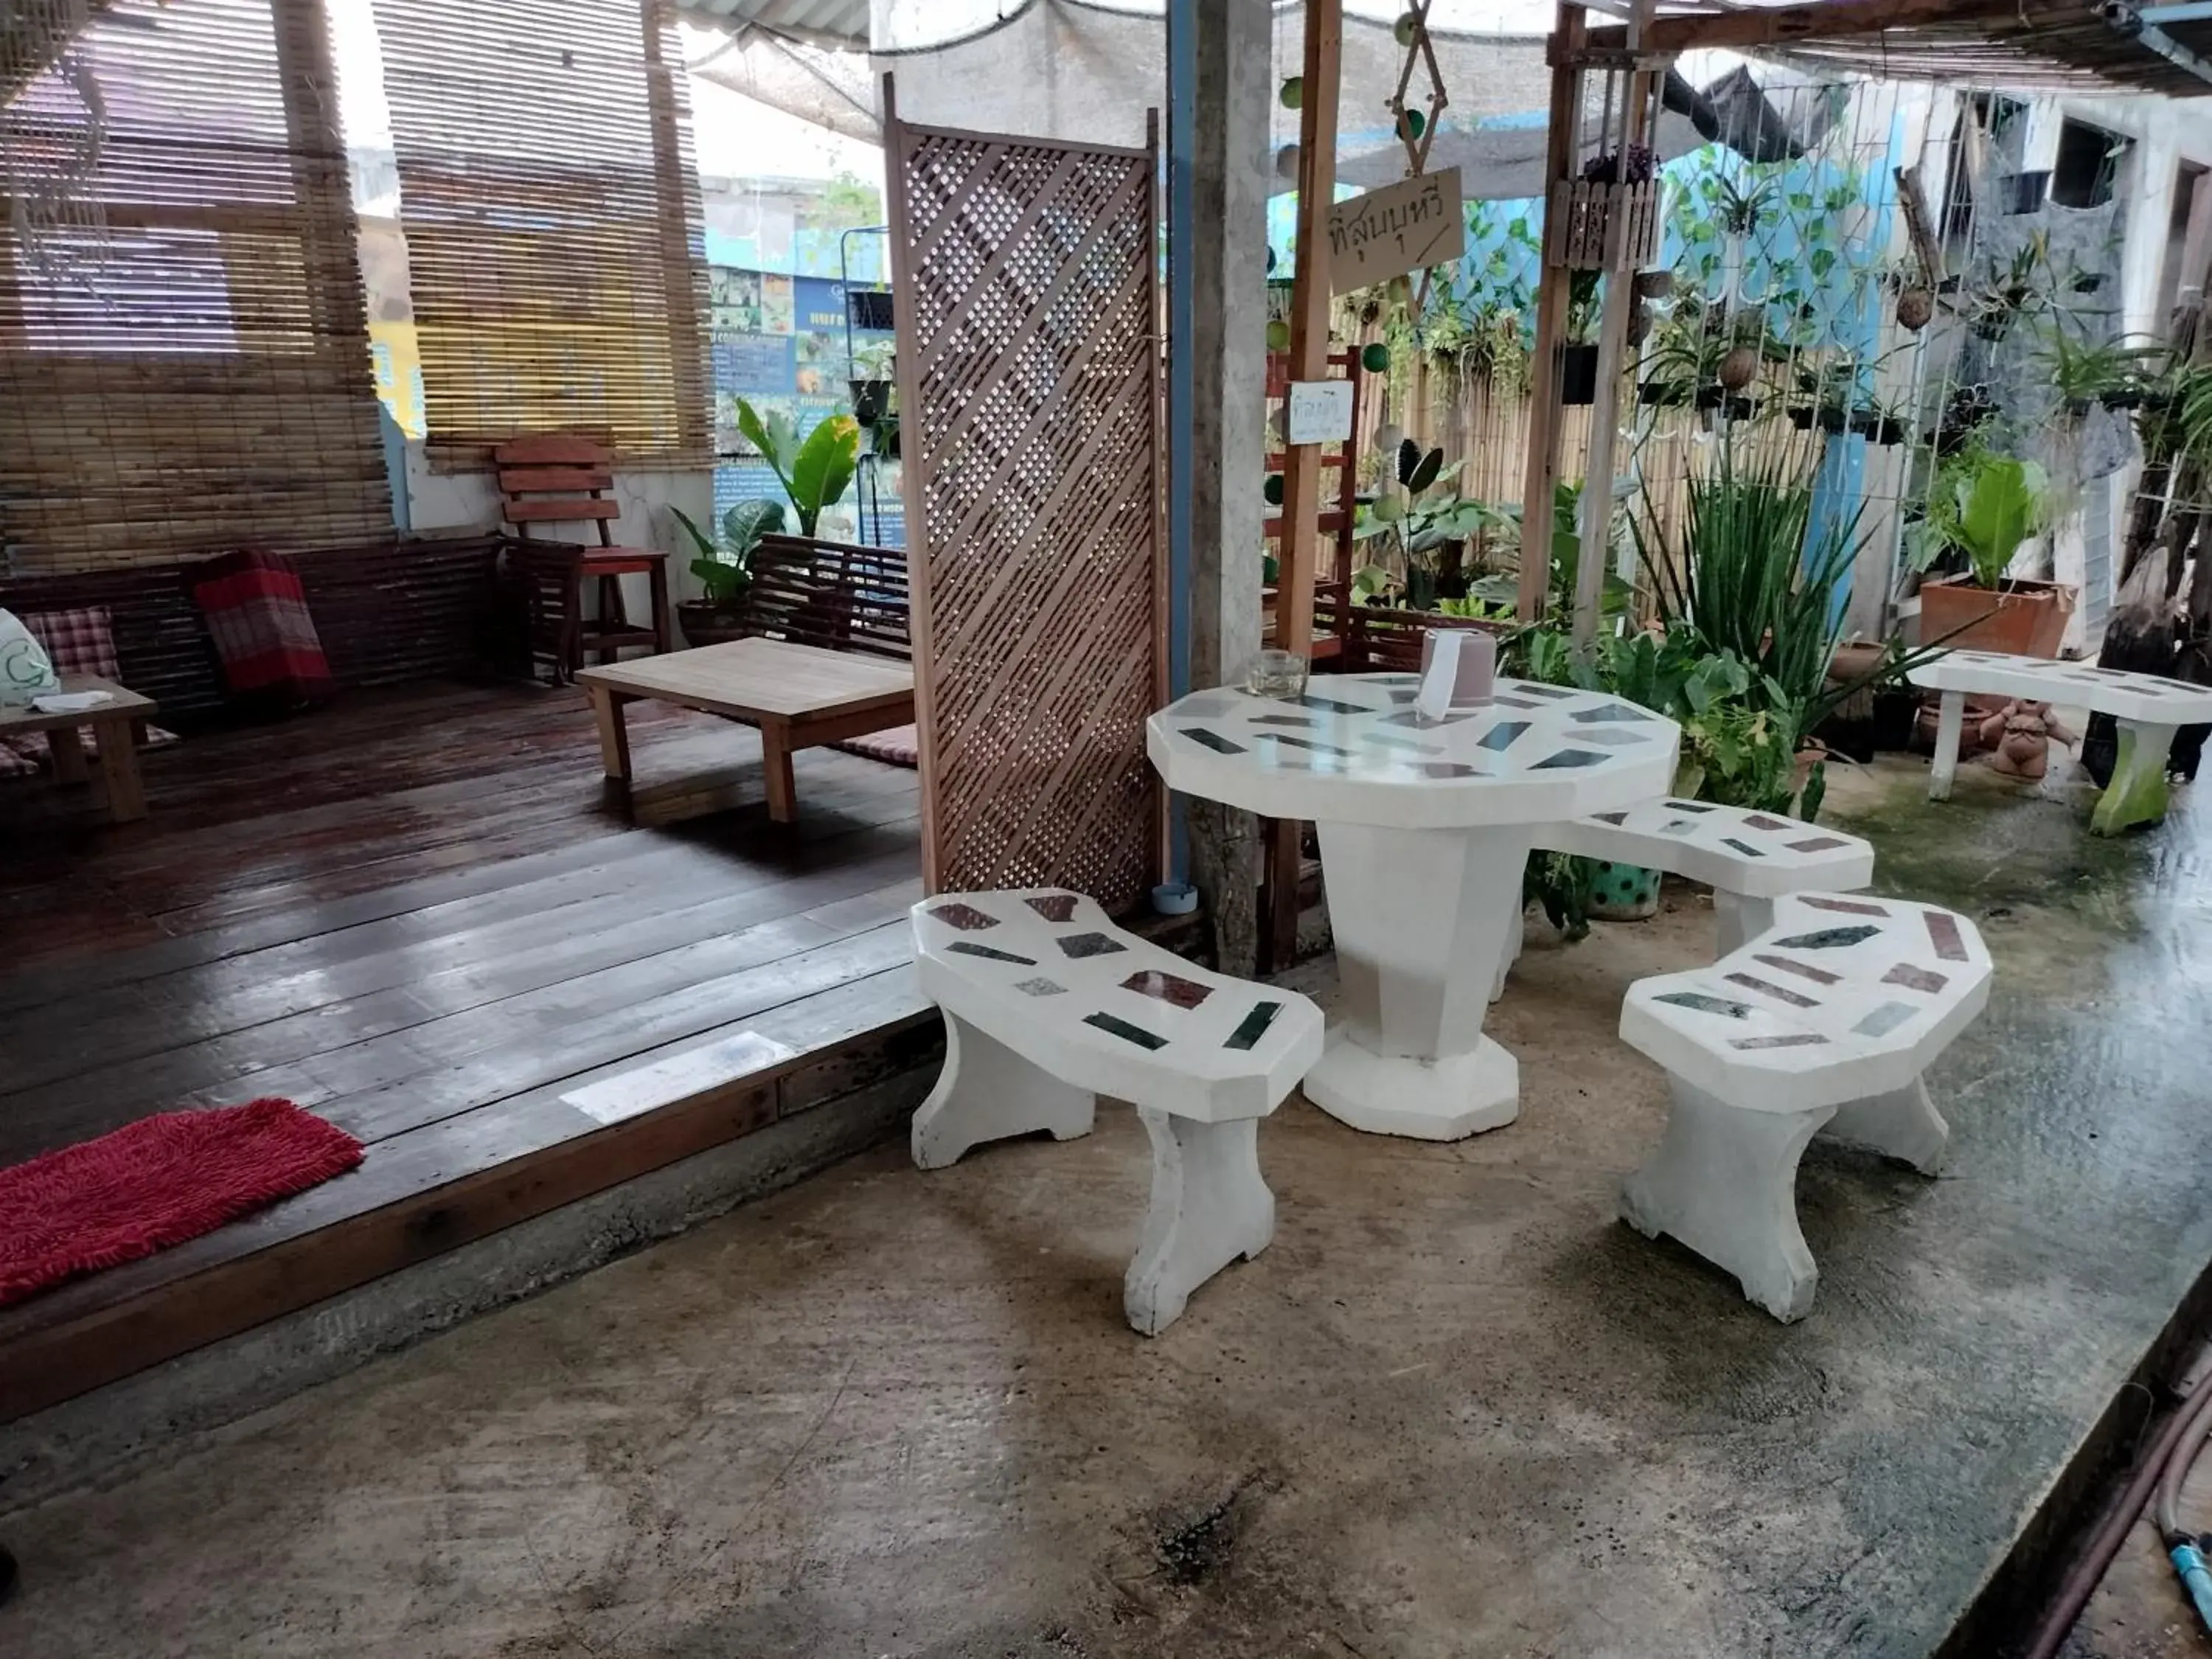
{"type": "Point", "coordinates": [1824, 1024]}
{"type": "Point", "coordinates": [2148, 709]}
{"type": "Point", "coordinates": [1046, 1006]}
{"type": "Point", "coordinates": [1748, 858]}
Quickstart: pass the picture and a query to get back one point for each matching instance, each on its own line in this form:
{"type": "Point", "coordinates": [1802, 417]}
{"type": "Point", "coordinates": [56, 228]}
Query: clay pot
{"type": "Point", "coordinates": [1740, 367]}
{"type": "Point", "coordinates": [2023, 618]}
{"type": "Point", "coordinates": [1915, 308]}
{"type": "Point", "coordinates": [705, 624]}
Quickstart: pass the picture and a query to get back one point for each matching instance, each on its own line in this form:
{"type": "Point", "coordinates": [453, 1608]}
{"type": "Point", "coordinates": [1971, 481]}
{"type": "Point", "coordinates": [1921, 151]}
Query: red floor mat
{"type": "Point", "coordinates": [155, 1183]}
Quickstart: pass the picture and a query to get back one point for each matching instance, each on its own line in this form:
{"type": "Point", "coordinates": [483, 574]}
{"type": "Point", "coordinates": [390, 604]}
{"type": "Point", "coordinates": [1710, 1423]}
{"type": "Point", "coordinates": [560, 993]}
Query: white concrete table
{"type": "Point", "coordinates": [2147, 708]}
{"type": "Point", "coordinates": [1425, 828]}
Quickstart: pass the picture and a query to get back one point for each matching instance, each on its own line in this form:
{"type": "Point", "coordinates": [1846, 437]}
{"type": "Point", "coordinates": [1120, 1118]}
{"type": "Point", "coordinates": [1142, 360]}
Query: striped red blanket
{"type": "Point", "coordinates": [257, 612]}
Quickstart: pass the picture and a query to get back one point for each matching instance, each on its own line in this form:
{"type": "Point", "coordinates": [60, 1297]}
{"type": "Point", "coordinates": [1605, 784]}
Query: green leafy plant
{"type": "Point", "coordinates": [1981, 506]}
{"type": "Point", "coordinates": [724, 567]}
{"type": "Point", "coordinates": [1418, 516]}
{"type": "Point", "coordinates": [813, 472]}
{"type": "Point", "coordinates": [2083, 372]}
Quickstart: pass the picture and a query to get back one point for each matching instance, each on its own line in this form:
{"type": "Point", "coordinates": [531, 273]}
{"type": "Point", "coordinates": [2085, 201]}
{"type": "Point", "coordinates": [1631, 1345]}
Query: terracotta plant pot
{"type": "Point", "coordinates": [2023, 618]}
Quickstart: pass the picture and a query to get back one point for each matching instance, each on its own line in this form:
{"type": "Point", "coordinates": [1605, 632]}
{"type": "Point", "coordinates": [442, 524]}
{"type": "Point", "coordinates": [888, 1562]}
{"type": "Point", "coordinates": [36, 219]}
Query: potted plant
{"type": "Point", "coordinates": [1422, 519]}
{"type": "Point", "coordinates": [2085, 374]}
{"type": "Point", "coordinates": [1982, 507]}
{"type": "Point", "coordinates": [1578, 357]}
{"type": "Point", "coordinates": [871, 381]}
{"type": "Point", "coordinates": [724, 567]}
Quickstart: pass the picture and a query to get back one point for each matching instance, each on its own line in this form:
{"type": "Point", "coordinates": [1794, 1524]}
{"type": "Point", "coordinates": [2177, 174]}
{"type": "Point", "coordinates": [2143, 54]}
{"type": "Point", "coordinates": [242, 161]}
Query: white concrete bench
{"type": "Point", "coordinates": [1047, 1005]}
{"type": "Point", "coordinates": [2146, 707]}
{"type": "Point", "coordinates": [1825, 1023]}
{"type": "Point", "coordinates": [1748, 858]}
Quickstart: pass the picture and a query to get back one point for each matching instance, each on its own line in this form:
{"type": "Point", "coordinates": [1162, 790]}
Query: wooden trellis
{"type": "Point", "coordinates": [1029, 377]}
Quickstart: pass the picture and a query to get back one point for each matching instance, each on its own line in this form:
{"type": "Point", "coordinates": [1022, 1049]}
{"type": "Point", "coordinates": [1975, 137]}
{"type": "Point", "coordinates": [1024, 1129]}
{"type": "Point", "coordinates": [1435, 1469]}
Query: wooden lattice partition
{"type": "Point", "coordinates": [1029, 377]}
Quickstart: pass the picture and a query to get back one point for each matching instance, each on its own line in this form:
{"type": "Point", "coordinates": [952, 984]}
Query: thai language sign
{"type": "Point", "coordinates": [1408, 226]}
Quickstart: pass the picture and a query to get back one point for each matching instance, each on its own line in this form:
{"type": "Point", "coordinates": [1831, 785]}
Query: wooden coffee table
{"type": "Point", "coordinates": [110, 724]}
{"type": "Point", "coordinates": [799, 696]}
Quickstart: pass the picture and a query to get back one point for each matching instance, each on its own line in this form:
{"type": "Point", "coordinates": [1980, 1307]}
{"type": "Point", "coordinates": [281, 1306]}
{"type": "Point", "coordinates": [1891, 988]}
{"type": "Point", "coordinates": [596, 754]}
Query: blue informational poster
{"type": "Point", "coordinates": [779, 342]}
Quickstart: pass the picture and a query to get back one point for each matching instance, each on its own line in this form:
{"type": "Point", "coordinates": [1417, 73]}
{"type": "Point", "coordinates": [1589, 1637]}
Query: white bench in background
{"type": "Point", "coordinates": [1748, 858]}
{"type": "Point", "coordinates": [2147, 708]}
{"type": "Point", "coordinates": [1823, 1023]}
{"type": "Point", "coordinates": [1047, 1005]}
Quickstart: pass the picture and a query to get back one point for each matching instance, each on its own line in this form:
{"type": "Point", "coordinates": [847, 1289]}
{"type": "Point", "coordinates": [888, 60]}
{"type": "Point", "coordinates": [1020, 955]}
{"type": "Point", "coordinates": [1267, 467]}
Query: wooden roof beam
{"type": "Point", "coordinates": [1781, 25]}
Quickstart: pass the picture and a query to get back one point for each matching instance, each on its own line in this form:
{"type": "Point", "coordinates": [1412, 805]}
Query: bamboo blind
{"type": "Point", "coordinates": [555, 242]}
{"type": "Point", "coordinates": [184, 359]}
{"type": "Point", "coordinates": [1029, 383]}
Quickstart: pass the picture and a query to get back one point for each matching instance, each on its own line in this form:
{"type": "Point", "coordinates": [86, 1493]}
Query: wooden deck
{"type": "Point", "coordinates": [417, 915]}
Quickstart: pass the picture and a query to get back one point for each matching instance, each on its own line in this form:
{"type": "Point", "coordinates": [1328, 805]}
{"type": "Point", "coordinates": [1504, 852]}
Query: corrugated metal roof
{"type": "Point", "coordinates": [842, 24]}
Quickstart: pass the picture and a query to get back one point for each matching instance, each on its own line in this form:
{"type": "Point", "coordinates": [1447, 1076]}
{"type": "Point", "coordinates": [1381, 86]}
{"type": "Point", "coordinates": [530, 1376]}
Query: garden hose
{"type": "Point", "coordinates": [2186, 1550]}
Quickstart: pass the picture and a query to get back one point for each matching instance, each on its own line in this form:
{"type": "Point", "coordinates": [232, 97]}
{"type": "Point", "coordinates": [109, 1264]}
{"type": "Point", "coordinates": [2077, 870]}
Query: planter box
{"type": "Point", "coordinates": [704, 624]}
{"type": "Point", "coordinates": [2023, 618]}
{"type": "Point", "coordinates": [1583, 216]}
{"type": "Point", "coordinates": [1579, 375]}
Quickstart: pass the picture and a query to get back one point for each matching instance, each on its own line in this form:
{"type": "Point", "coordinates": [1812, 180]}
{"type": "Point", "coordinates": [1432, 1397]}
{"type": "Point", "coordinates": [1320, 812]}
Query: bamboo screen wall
{"type": "Point", "coordinates": [1029, 389]}
{"type": "Point", "coordinates": [555, 243]}
{"type": "Point", "coordinates": [183, 356]}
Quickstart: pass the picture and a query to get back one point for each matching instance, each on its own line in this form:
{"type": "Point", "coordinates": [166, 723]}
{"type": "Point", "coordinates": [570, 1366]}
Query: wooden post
{"type": "Point", "coordinates": [1562, 146]}
{"type": "Point", "coordinates": [1605, 409]}
{"type": "Point", "coordinates": [1309, 296]}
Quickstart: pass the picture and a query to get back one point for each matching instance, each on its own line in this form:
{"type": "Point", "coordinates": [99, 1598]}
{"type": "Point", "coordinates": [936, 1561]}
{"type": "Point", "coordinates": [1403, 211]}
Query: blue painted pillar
{"type": "Point", "coordinates": [1182, 373]}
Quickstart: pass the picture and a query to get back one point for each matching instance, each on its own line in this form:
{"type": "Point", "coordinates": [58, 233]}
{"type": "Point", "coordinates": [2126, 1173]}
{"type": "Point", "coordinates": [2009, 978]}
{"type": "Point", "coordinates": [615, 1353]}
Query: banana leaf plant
{"type": "Point", "coordinates": [724, 565]}
{"type": "Point", "coordinates": [815, 471]}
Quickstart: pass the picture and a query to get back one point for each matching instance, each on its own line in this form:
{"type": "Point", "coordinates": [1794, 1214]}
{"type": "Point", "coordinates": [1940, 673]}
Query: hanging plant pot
{"type": "Point", "coordinates": [2088, 282]}
{"type": "Point", "coordinates": [1833, 420]}
{"type": "Point", "coordinates": [1662, 394]}
{"type": "Point", "coordinates": [1993, 328]}
{"type": "Point", "coordinates": [2125, 398]}
{"type": "Point", "coordinates": [1740, 409]}
{"type": "Point", "coordinates": [1891, 432]}
{"type": "Point", "coordinates": [1654, 284]}
{"type": "Point", "coordinates": [1801, 416]}
{"type": "Point", "coordinates": [1711, 397]}
{"type": "Point", "coordinates": [1579, 375]}
{"type": "Point", "coordinates": [1740, 367]}
{"type": "Point", "coordinates": [870, 399]}
{"type": "Point", "coordinates": [1863, 422]}
{"type": "Point", "coordinates": [1915, 308]}
{"type": "Point", "coordinates": [2077, 407]}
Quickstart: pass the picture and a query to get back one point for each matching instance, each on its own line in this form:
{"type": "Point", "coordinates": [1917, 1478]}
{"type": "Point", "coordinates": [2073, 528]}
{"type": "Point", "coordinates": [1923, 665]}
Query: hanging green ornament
{"type": "Point", "coordinates": [1271, 258]}
{"type": "Point", "coordinates": [1272, 489]}
{"type": "Point", "coordinates": [1278, 335]}
{"type": "Point", "coordinates": [1408, 29]}
{"type": "Point", "coordinates": [1293, 93]}
{"type": "Point", "coordinates": [1376, 358]}
{"type": "Point", "coordinates": [1412, 124]}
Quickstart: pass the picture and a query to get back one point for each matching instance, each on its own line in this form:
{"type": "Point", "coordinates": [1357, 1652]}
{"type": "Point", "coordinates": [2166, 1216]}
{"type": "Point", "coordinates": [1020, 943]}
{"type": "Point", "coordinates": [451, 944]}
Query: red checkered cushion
{"type": "Point", "coordinates": [79, 642]}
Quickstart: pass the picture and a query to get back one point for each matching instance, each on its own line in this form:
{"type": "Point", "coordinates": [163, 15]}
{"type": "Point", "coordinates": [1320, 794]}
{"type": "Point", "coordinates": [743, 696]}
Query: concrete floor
{"type": "Point", "coordinates": [1456, 1409]}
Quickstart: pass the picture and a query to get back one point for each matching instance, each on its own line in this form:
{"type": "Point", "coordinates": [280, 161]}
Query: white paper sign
{"type": "Point", "coordinates": [1408, 226]}
{"type": "Point", "coordinates": [1318, 412]}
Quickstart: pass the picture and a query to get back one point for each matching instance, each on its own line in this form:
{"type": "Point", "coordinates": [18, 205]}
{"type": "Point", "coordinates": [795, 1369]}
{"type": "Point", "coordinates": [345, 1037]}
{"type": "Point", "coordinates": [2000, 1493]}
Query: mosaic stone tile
{"type": "Point", "coordinates": [1679, 827]}
{"type": "Point", "coordinates": [1943, 931]}
{"type": "Point", "coordinates": [1818, 844]}
{"type": "Point", "coordinates": [1802, 970]}
{"type": "Point", "coordinates": [1041, 986]}
{"type": "Point", "coordinates": [1212, 740]}
{"type": "Point", "coordinates": [1253, 1026]}
{"type": "Point", "coordinates": [1091, 945]}
{"type": "Point", "coordinates": [1514, 703]}
{"type": "Point", "coordinates": [1612, 737]}
{"type": "Point", "coordinates": [1793, 1040]}
{"type": "Point", "coordinates": [1743, 846]}
{"type": "Point", "coordinates": [1285, 719]}
{"type": "Point", "coordinates": [1053, 907]}
{"type": "Point", "coordinates": [1420, 722]}
{"type": "Point", "coordinates": [1885, 1019]}
{"type": "Point", "coordinates": [1605, 713]}
{"type": "Point", "coordinates": [1404, 697]}
{"type": "Point", "coordinates": [1915, 978]}
{"type": "Point", "coordinates": [1753, 982]}
{"type": "Point", "coordinates": [1848, 906]}
{"type": "Point", "coordinates": [1121, 1028]}
{"type": "Point", "coordinates": [966, 917]}
{"type": "Point", "coordinates": [1384, 740]}
{"type": "Point", "coordinates": [1392, 679]}
{"type": "Point", "coordinates": [1306, 743]}
{"type": "Point", "coordinates": [1568, 760]}
{"type": "Point", "coordinates": [966, 950]}
{"type": "Point", "coordinates": [1451, 769]}
{"type": "Point", "coordinates": [1533, 690]}
{"type": "Point", "coordinates": [1502, 735]}
{"type": "Point", "coordinates": [1611, 817]}
{"type": "Point", "coordinates": [1331, 705]}
{"type": "Point", "coordinates": [1168, 987]}
{"type": "Point", "coordinates": [1690, 806]}
{"type": "Point", "coordinates": [1828, 938]}
{"type": "Point", "coordinates": [1705, 1004]}
{"type": "Point", "coordinates": [1760, 821]}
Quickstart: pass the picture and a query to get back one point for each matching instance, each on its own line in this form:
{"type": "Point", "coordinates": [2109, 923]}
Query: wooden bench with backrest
{"type": "Point", "coordinates": [840, 596]}
{"type": "Point", "coordinates": [556, 478]}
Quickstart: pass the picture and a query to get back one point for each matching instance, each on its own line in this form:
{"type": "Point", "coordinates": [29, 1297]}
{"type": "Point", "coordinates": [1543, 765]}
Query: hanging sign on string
{"type": "Point", "coordinates": [1406, 227]}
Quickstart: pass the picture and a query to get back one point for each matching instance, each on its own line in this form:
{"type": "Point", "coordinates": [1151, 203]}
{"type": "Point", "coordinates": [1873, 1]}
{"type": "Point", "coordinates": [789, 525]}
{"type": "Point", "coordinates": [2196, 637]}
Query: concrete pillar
{"type": "Point", "coordinates": [1220, 88]}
